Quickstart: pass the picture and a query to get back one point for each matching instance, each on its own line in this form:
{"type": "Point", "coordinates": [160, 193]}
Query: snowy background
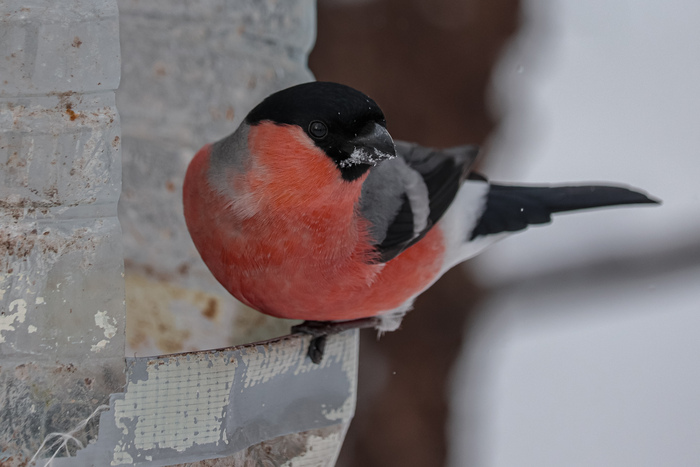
{"type": "Point", "coordinates": [587, 350]}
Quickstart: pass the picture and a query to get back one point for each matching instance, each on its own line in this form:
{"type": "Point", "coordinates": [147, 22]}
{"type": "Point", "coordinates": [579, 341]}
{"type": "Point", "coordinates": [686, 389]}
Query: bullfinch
{"type": "Point", "coordinates": [310, 210]}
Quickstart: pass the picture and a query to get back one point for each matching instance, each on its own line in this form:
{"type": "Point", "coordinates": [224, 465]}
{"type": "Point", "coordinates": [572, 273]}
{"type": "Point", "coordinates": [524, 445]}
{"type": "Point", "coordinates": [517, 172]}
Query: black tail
{"type": "Point", "coordinates": [513, 208]}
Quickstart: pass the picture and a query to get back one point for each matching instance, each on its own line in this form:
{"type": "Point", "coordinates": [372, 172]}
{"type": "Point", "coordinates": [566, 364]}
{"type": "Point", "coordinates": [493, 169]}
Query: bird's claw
{"type": "Point", "coordinates": [320, 330]}
{"type": "Point", "coordinates": [317, 347]}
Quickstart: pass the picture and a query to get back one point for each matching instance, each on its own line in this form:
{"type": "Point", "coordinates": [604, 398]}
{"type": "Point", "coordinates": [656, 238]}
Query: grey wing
{"type": "Point", "coordinates": [404, 197]}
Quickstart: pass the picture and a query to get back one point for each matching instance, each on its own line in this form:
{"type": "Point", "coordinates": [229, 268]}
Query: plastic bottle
{"type": "Point", "coordinates": [61, 282]}
{"type": "Point", "coordinates": [191, 72]}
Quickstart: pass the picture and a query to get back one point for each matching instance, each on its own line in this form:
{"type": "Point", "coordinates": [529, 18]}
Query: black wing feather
{"type": "Point", "coordinates": [513, 208]}
{"type": "Point", "coordinates": [395, 239]}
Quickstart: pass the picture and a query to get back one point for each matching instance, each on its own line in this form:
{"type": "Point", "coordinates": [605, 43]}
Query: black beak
{"type": "Point", "coordinates": [372, 146]}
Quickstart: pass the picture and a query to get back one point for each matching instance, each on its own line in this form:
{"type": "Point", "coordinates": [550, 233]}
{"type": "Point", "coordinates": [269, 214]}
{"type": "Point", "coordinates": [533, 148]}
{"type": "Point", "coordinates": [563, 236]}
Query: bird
{"type": "Point", "coordinates": [310, 210]}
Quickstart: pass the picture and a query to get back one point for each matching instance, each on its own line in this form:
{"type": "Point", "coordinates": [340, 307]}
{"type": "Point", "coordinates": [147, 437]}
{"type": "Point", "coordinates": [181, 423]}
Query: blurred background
{"type": "Point", "coordinates": [574, 344]}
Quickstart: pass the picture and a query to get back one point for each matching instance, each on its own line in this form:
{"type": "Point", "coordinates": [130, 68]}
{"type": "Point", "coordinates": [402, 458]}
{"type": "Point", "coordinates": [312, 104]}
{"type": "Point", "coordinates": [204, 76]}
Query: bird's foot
{"type": "Point", "coordinates": [320, 330]}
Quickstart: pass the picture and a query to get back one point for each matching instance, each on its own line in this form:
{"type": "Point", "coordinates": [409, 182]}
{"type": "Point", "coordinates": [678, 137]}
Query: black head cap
{"type": "Point", "coordinates": [339, 119]}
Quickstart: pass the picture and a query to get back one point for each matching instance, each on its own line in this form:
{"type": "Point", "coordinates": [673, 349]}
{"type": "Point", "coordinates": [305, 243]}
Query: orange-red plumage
{"type": "Point", "coordinates": [292, 244]}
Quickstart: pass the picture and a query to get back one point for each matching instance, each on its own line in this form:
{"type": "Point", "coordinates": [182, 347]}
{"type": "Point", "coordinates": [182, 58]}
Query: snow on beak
{"type": "Point", "coordinates": [370, 147]}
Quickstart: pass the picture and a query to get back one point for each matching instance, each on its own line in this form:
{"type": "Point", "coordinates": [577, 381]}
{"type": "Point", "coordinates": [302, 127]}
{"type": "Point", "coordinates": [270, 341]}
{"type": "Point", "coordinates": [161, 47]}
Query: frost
{"type": "Point", "coordinates": [362, 156]}
{"type": "Point", "coordinates": [103, 321]}
{"type": "Point", "coordinates": [99, 346]}
{"type": "Point", "coordinates": [7, 322]}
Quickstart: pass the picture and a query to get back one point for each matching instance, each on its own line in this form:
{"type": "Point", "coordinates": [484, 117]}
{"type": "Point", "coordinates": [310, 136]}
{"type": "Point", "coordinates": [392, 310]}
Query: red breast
{"type": "Point", "coordinates": [290, 244]}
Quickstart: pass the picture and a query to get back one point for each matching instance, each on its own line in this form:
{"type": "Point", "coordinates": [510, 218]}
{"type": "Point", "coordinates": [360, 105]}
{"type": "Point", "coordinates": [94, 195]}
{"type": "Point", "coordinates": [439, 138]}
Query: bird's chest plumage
{"type": "Point", "coordinates": [293, 265]}
{"type": "Point", "coordinates": [294, 254]}
{"type": "Point", "coordinates": [319, 273]}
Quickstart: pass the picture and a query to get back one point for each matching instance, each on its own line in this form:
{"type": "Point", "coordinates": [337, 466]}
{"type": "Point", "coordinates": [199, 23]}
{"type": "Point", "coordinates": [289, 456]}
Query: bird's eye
{"type": "Point", "coordinates": [318, 130]}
